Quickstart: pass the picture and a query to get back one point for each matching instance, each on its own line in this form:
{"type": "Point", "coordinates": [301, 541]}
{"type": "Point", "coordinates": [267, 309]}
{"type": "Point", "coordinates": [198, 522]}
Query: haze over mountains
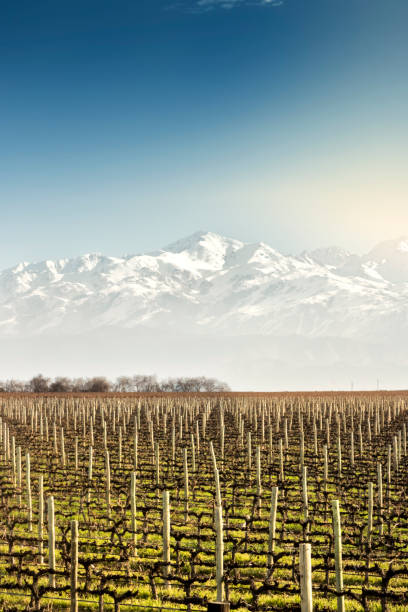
{"type": "Point", "coordinates": [215, 306]}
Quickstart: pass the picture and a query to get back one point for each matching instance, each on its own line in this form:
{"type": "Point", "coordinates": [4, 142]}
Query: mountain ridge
{"type": "Point", "coordinates": [207, 286]}
{"type": "Point", "coordinates": [207, 278]}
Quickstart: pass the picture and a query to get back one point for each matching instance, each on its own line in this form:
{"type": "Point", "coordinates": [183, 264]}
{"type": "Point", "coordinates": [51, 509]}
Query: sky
{"type": "Point", "coordinates": [128, 124]}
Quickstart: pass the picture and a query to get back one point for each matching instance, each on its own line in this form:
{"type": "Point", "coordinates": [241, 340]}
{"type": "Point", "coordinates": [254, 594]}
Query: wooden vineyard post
{"type": "Point", "coordinates": [8, 453]}
{"type": "Point", "coordinates": [152, 438]}
{"type": "Point", "coordinates": [217, 487]}
{"type": "Point", "coordinates": [338, 554]}
{"type": "Point", "coordinates": [74, 566]}
{"type": "Point", "coordinates": [222, 435]}
{"type": "Point", "coordinates": [325, 468]}
{"type": "Point", "coordinates": [120, 447]}
{"type": "Point", "coordinates": [214, 460]}
{"type": "Point", "coordinates": [305, 570]}
{"type": "Point", "coordinates": [327, 433]}
{"type": "Point", "coordinates": [339, 455]}
{"type": "Point", "coordinates": [88, 497]}
{"type": "Point", "coordinates": [204, 426]}
{"type": "Point", "coordinates": [173, 444]}
{"type": "Point", "coordinates": [258, 478]}
{"type": "Point", "coordinates": [395, 452]}
{"type": "Point", "coordinates": [62, 448]}
{"type": "Point", "coordinates": [249, 451]}
{"type": "Point", "coordinates": [51, 541]}
{"type": "Point", "coordinates": [302, 450]}
{"type": "Point", "coordinates": [7, 444]}
{"type": "Point", "coordinates": [133, 510]}
{"type": "Point", "coordinates": [370, 512]}
{"type": "Point", "coordinates": [40, 517]}
{"type": "Point", "coordinates": [281, 468]}
{"type": "Point", "coordinates": [135, 445]}
{"type": "Point", "coordinates": [107, 483]}
{"type": "Point", "coordinates": [186, 489]}
{"type": "Point", "coordinates": [315, 437]}
{"type": "Point", "coordinates": [272, 525]}
{"type": "Point", "coordinates": [13, 459]}
{"type": "Point", "coordinates": [197, 438]}
{"type": "Point", "coordinates": [305, 500]}
{"type": "Point", "coordinates": [19, 479]}
{"type": "Point", "coordinates": [76, 453]}
{"type": "Point", "coordinates": [219, 554]}
{"type": "Point", "coordinates": [138, 415]}
{"type": "Point", "coordinates": [193, 454]}
{"type": "Point", "coordinates": [166, 535]}
{"type": "Point", "coordinates": [157, 463]}
{"type": "Point", "coordinates": [389, 476]}
{"type": "Point", "coordinates": [55, 439]}
{"type": "Point", "coordinates": [29, 498]}
{"type": "Point", "coordinates": [352, 448]}
{"type": "Point", "coordinates": [369, 529]}
{"type": "Point", "coordinates": [360, 437]}
{"type": "Point", "coordinates": [105, 436]}
{"type": "Point", "coordinates": [380, 497]}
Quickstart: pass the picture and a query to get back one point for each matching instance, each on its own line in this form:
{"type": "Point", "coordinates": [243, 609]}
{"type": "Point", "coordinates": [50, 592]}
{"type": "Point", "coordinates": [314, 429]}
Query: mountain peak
{"type": "Point", "coordinates": [205, 249]}
{"type": "Point", "coordinates": [388, 248]}
{"type": "Point", "coordinates": [204, 240]}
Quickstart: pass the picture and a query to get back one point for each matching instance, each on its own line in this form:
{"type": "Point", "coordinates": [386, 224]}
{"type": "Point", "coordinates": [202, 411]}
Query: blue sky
{"type": "Point", "coordinates": [128, 124]}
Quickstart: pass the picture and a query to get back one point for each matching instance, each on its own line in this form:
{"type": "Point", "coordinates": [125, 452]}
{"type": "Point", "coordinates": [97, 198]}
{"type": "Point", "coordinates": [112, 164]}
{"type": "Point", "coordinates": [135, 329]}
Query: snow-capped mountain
{"type": "Point", "coordinates": [210, 289]}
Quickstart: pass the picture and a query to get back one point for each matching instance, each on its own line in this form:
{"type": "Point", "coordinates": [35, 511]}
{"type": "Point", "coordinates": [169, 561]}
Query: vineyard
{"type": "Point", "coordinates": [171, 501]}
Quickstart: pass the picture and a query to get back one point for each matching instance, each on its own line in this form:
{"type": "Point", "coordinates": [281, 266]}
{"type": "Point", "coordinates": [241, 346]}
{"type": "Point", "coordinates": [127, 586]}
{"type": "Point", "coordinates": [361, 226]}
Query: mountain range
{"type": "Point", "coordinates": [216, 306]}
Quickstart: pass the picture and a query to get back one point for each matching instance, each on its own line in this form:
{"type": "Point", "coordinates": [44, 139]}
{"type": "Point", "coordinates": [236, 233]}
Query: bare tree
{"type": "Point", "coordinates": [168, 385]}
{"type": "Point", "coordinates": [14, 386]}
{"type": "Point", "coordinates": [98, 384]}
{"type": "Point", "coordinates": [124, 384]}
{"type": "Point", "coordinates": [61, 385]}
{"type": "Point", "coordinates": [78, 385]}
{"type": "Point", "coordinates": [39, 384]}
{"type": "Point", "coordinates": [142, 383]}
{"type": "Point", "coordinates": [145, 383]}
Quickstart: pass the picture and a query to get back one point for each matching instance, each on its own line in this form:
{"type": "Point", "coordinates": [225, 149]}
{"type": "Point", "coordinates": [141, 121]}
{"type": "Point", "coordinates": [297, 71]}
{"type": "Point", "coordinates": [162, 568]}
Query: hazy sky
{"type": "Point", "coordinates": [127, 124]}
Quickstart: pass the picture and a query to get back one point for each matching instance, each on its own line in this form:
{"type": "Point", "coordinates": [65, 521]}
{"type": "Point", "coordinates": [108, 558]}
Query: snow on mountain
{"type": "Point", "coordinates": [335, 257]}
{"type": "Point", "coordinates": [207, 282]}
{"type": "Point", "coordinates": [205, 250]}
{"type": "Point", "coordinates": [209, 286]}
{"type": "Point", "coordinates": [390, 260]}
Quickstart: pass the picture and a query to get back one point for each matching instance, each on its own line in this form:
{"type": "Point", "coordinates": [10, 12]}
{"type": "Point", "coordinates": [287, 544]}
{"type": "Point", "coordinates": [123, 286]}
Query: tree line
{"type": "Point", "coordinates": [123, 384]}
